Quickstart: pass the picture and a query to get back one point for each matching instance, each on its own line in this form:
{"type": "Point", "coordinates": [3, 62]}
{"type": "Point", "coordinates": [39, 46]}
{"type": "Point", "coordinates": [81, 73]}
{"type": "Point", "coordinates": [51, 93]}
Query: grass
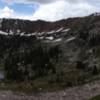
{"type": "Point", "coordinates": [30, 88]}
{"type": "Point", "coordinates": [49, 83]}
{"type": "Point", "coordinates": [96, 98]}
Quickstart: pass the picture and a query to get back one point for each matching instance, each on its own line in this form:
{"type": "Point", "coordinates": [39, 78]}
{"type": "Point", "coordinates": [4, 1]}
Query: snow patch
{"type": "Point", "coordinates": [42, 37]}
{"type": "Point", "coordinates": [34, 33]}
{"type": "Point", "coordinates": [70, 39]}
{"type": "Point", "coordinates": [18, 31]}
{"type": "Point", "coordinates": [3, 33]}
{"type": "Point", "coordinates": [40, 33]}
{"type": "Point", "coordinates": [22, 34]}
{"type": "Point", "coordinates": [66, 30]}
{"type": "Point", "coordinates": [49, 38]}
{"type": "Point", "coordinates": [57, 40]}
{"type": "Point", "coordinates": [27, 34]}
{"type": "Point", "coordinates": [60, 29]}
{"type": "Point", "coordinates": [11, 32]}
{"type": "Point", "coordinates": [51, 32]}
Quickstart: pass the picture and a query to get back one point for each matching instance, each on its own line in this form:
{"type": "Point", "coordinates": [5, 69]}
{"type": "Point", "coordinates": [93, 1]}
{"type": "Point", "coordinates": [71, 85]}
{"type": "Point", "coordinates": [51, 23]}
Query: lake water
{"type": "Point", "coordinates": [2, 76]}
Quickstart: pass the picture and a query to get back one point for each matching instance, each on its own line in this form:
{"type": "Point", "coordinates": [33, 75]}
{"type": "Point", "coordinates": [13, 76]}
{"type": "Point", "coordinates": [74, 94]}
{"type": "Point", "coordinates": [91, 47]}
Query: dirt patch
{"type": "Point", "coordinates": [76, 93]}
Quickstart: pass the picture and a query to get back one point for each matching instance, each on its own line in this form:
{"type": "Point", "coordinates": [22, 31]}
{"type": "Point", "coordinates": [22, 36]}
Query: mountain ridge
{"type": "Point", "coordinates": [18, 26]}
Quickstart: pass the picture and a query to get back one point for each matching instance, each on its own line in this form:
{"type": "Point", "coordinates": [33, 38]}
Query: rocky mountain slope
{"type": "Point", "coordinates": [51, 51]}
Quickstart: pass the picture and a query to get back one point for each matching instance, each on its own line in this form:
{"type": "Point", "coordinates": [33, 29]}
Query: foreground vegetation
{"type": "Point", "coordinates": [96, 98]}
{"type": "Point", "coordinates": [38, 66]}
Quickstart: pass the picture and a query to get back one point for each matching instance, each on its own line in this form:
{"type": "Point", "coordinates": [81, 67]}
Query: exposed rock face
{"type": "Point", "coordinates": [18, 26]}
{"type": "Point", "coordinates": [83, 25]}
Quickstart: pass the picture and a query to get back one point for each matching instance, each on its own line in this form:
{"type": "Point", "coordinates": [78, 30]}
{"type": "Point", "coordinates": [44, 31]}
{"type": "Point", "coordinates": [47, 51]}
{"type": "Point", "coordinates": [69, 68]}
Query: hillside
{"type": "Point", "coordinates": [50, 54]}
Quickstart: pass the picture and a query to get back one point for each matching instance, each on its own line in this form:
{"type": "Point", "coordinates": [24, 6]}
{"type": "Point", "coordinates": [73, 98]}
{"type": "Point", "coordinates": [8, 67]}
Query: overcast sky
{"type": "Point", "coordinates": [49, 10]}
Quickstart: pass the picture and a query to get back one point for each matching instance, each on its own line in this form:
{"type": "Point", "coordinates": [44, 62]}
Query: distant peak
{"type": "Point", "coordinates": [96, 14]}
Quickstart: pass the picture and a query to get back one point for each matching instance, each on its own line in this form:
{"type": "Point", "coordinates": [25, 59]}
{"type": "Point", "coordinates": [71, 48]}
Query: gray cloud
{"type": "Point", "coordinates": [51, 1]}
{"type": "Point", "coordinates": [30, 1]}
{"type": "Point", "coordinates": [43, 1]}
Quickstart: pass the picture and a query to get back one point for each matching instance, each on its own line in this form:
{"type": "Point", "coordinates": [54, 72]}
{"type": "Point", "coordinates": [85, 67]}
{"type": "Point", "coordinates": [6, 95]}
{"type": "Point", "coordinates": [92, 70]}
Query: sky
{"type": "Point", "coordinates": [49, 10]}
